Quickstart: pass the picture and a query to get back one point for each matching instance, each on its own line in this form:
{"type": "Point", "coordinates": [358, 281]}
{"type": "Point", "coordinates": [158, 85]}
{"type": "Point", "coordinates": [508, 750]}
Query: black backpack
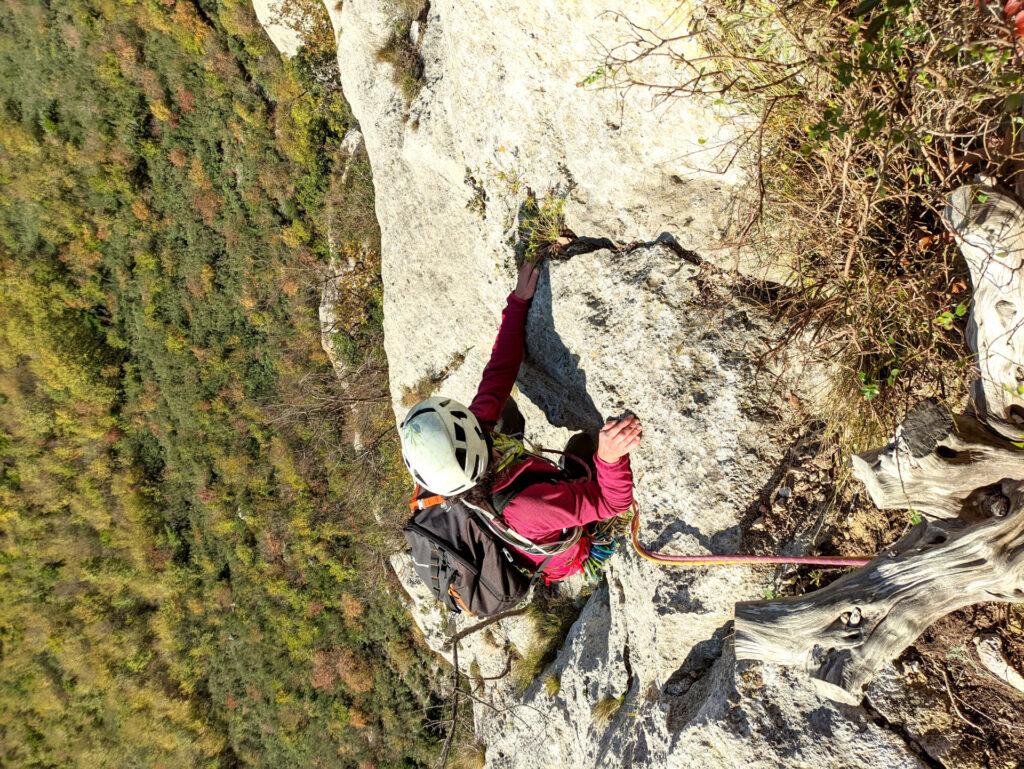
{"type": "Point", "coordinates": [466, 554]}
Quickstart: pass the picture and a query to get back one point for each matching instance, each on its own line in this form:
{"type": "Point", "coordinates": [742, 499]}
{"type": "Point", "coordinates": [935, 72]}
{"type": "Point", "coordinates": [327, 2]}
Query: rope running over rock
{"type": "Point", "coordinates": [669, 559]}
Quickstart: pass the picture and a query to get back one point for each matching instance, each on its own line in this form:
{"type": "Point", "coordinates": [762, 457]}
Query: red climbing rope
{"type": "Point", "coordinates": [668, 559]}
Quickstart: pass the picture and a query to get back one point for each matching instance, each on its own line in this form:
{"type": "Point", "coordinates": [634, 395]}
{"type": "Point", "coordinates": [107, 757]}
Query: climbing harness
{"type": "Point", "coordinates": [668, 559]}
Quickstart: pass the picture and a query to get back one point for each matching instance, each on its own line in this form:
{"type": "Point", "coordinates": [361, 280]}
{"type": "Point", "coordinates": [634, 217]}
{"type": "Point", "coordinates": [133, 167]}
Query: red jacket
{"type": "Point", "coordinates": [543, 510]}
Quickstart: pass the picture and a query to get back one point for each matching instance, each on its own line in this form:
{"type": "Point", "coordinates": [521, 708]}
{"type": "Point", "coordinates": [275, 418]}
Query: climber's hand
{"type": "Point", "coordinates": [527, 283]}
{"type": "Point", "coordinates": [618, 437]}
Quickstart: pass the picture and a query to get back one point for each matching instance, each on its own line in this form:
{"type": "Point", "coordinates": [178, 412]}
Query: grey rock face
{"type": "Point", "coordinates": [505, 107]}
{"type": "Point", "coordinates": [649, 331]}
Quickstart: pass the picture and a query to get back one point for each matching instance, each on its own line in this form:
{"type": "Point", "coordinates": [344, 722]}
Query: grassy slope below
{"type": "Point", "coordinates": [190, 568]}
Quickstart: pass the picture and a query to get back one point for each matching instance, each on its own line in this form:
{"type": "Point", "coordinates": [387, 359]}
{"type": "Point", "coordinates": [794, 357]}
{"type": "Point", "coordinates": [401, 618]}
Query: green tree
{"type": "Point", "coordinates": [180, 561]}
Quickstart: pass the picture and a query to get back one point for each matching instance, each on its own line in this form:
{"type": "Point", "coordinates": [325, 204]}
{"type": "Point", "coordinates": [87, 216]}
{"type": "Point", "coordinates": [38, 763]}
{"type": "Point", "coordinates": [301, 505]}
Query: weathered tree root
{"type": "Point", "coordinates": [963, 474]}
{"type": "Point", "coordinates": [934, 464]}
{"type": "Point", "coordinates": [989, 228]}
{"type": "Point", "coordinates": [841, 635]}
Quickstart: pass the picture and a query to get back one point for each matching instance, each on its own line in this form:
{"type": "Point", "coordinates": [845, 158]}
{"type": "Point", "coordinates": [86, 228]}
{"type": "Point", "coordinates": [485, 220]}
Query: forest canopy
{"type": "Point", "coordinates": [189, 577]}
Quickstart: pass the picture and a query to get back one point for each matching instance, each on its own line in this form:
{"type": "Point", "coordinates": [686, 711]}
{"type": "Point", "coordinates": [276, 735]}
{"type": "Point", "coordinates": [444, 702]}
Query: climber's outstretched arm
{"type": "Point", "coordinates": [507, 355]}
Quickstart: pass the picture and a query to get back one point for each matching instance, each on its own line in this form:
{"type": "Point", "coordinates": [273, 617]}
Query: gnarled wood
{"type": "Point", "coordinates": [989, 228]}
{"type": "Point", "coordinates": [935, 462]}
{"type": "Point", "coordinates": [841, 635]}
{"type": "Point", "coordinates": [964, 473]}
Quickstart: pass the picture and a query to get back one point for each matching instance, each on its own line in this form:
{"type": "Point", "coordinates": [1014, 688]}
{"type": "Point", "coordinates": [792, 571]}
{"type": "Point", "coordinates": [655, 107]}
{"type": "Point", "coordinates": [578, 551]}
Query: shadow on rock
{"type": "Point", "coordinates": [687, 690]}
{"type": "Point", "coordinates": [551, 376]}
{"type": "Point", "coordinates": [673, 596]}
{"type": "Point", "coordinates": [669, 529]}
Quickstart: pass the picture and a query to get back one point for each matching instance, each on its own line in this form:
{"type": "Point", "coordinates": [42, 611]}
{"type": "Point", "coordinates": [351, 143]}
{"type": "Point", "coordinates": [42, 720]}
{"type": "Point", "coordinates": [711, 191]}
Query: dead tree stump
{"type": "Point", "coordinates": [963, 474]}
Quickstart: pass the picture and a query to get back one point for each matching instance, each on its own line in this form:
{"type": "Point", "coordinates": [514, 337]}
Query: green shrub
{"type": "Point", "coordinates": [861, 118]}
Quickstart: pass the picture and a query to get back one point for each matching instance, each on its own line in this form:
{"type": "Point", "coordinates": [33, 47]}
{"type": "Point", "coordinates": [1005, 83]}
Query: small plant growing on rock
{"type": "Point", "coordinates": [477, 202]}
{"type": "Point", "coordinates": [552, 685]}
{"type": "Point", "coordinates": [471, 756]}
{"type": "Point", "coordinates": [542, 228]}
{"type": "Point", "coordinates": [605, 709]}
{"type": "Point", "coordinates": [404, 58]}
{"type": "Point", "coordinates": [526, 666]}
{"type": "Point", "coordinates": [552, 616]}
{"type": "Point", "coordinates": [402, 53]}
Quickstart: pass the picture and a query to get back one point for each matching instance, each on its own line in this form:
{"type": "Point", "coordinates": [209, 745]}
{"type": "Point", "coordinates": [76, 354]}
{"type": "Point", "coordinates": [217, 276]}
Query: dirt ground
{"type": "Point", "coordinates": [937, 694]}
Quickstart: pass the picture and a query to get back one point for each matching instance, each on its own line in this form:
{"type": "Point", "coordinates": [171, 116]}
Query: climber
{"type": "Point", "coordinates": [472, 454]}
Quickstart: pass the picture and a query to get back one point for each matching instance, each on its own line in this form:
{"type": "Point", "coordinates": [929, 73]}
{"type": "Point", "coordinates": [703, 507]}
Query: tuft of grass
{"type": "Point", "coordinates": [471, 755]}
{"type": "Point", "coordinates": [552, 616]}
{"type": "Point", "coordinates": [859, 118]}
{"type": "Point", "coordinates": [401, 53]}
{"type": "Point", "coordinates": [527, 665]}
{"type": "Point", "coordinates": [541, 224]}
{"type": "Point", "coordinates": [605, 709]}
{"type": "Point", "coordinates": [552, 685]}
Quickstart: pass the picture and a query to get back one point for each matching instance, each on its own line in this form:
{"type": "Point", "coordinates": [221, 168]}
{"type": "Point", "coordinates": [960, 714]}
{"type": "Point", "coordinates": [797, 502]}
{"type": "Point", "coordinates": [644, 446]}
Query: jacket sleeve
{"type": "Point", "coordinates": [506, 357]}
{"type": "Point", "coordinates": [547, 508]}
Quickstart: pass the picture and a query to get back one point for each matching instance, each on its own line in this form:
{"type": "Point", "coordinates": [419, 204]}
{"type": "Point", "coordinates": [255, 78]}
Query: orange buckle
{"type": "Point", "coordinates": [420, 504]}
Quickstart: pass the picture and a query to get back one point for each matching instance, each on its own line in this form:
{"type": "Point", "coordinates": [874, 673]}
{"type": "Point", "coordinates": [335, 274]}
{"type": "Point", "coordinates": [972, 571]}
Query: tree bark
{"type": "Point", "coordinates": [964, 475]}
{"type": "Point", "coordinates": [935, 463]}
{"type": "Point", "coordinates": [989, 228]}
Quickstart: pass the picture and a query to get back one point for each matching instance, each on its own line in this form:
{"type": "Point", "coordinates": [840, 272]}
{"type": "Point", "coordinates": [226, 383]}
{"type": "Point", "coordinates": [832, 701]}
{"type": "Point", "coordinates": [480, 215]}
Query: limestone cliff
{"type": "Point", "coordinates": [510, 102]}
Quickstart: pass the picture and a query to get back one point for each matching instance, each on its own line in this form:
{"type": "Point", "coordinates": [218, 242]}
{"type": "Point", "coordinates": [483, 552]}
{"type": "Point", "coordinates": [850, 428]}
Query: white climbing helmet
{"type": "Point", "coordinates": [443, 446]}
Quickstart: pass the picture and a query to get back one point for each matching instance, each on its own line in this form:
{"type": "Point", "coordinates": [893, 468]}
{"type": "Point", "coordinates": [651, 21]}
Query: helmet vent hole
{"type": "Point", "coordinates": [459, 414]}
{"type": "Point", "coordinates": [460, 456]}
{"type": "Point", "coordinates": [460, 433]}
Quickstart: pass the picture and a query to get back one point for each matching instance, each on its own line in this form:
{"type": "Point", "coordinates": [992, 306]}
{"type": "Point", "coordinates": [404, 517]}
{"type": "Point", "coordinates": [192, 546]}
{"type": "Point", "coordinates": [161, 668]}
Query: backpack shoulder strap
{"type": "Point", "coordinates": [510, 536]}
{"type": "Point", "coordinates": [490, 515]}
